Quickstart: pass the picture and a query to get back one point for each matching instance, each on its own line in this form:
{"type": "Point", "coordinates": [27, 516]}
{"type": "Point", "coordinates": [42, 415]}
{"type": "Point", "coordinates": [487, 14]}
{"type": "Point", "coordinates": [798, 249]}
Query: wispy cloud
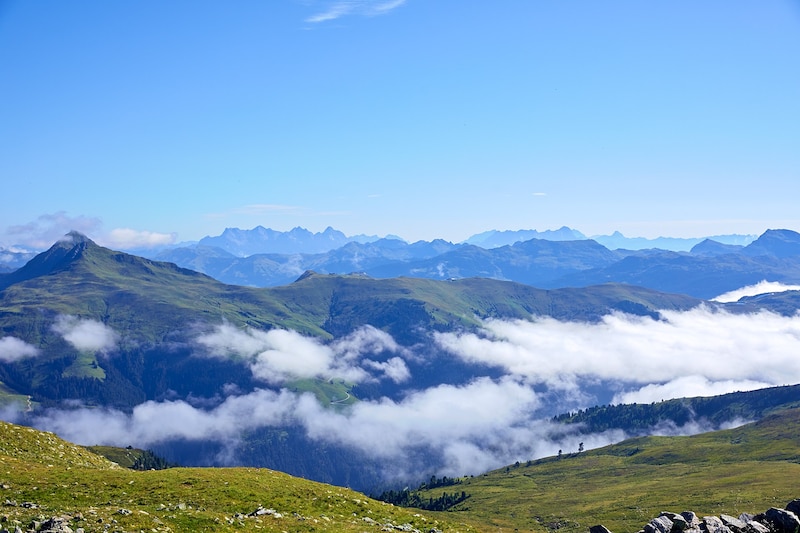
{"type": "Point", "coordinates": [477, 424]}
{"type": "Point", "coordinates": [686, 387]}
{"type": "Point", "coordinates": [85, 334]}
{"type": "Point", "coordinates": [41, 233]}
{"type": "Point", "coordinates": [126, 238]}
{"type": "Point", "coordinates": [47, 229]}
{"type": "Point", "coordinates": [730, 351]}
{"type": "Point", "coordinates": [13, 349]}
{"type": "Point", "coordinates": [277, 356]}
{"type": "Point", "coordinates": [762, 287]}
{"type": "Point", "coordinates": [341, 8]}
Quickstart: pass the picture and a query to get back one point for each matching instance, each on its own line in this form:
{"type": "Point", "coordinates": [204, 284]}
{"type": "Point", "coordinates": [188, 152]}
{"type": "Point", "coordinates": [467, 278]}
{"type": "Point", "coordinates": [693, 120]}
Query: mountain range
{"type": "Point", "coordinates": [709, 269]}
{"type": "Point", "coordinates": [344, 378]}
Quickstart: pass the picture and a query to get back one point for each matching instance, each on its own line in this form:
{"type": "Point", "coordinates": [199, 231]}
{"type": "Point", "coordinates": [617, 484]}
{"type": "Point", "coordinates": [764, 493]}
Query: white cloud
{"type": "Point", "coordinates": [762, 287]}
{"type": "Point", "coordinates": [475, 426]}
{"type": "Point", "coordinates": [277, 355]}
{"type": "Point", "coordinates": [126, 238]}
{"type": "Point", "coordinates": [41, 233]}
{"type": "Point", "coordinates": [290, 355]}
{"type": "Point", "coordinates": [686, 387]}
{"type": "Point", "coordinates": [85, 334]}
{"type": "Point", "coordinates": [341, 8]}
{"type": "Point", "coordinates": [13, 349]}
{"type": "Point", "coordinates": [485, 416]}
{"type": "Point", "coordinates": [154, 422]}
{"type": "Point", "coordinates": [719, 346]}
{"type": "Point", "coordinates": [394, 369]}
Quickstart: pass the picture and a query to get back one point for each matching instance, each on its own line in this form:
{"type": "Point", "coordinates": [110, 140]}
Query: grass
{"type": "Point", "coordinates": [43, 476]}
{"type": "Point", "coordinates": [747, 469]}
{"type": "Point", "coordinates": [11, 398]}
{"type": "Point", "coordinates": [332, 392]}
{"type": "Point", "coordinates": [85, 366]}
{"type": "Point", "coordinates": [623, 486]}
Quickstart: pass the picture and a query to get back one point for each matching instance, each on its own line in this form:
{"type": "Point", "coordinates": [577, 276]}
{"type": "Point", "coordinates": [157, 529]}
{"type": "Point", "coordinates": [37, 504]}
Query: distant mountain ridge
{"type": "Point", "coordinates": [154, 313]}
{"type": "Point", "coordinates": [495, 238]}
{"type": "Point", "coordinates": [261, 240]}
{"type": "Point", "coordinates": [243, 243]}
{"type": "Point", "coordinates": [709, 269]}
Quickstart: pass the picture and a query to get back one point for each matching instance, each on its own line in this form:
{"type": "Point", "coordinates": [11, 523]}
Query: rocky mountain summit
{"type": "Point", "coordinates": [773, 520]}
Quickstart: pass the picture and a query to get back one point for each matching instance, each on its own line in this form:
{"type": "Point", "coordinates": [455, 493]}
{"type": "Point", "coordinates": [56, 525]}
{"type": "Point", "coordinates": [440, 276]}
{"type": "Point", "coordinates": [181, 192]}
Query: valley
{"type": "Point", "coordinates": [379, 383]}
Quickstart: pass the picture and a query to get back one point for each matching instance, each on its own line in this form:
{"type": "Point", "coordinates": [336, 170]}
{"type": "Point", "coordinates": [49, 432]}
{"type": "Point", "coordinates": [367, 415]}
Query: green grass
{"type": "Point", "coordinates": [331, 392]}
{"type": "Point", "coordinates": [11, 398]}
{"type": "Point", "coordinates": [85, 366]}
{"type": "Point", "coordinates": [66, 480]}
{"type": "Point", "coordinates": [623, 486]}
{"type": "Point", "coordinates": [124, 457]}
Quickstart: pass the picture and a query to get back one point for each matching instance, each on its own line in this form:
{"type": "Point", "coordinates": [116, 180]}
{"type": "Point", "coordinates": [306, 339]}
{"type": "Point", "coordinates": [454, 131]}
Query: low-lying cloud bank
{"type": "Point", "coordinates": [762, 287]}
{"type": "Point", "coordinates": [277, 356]}
{"type": "Point", "coordinates": [730, 351]}
{"type": "Point", "coordinates": [470, 427]}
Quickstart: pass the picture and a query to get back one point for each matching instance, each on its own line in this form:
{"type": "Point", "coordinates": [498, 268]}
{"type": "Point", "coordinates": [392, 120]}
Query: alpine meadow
{"type": "Point", "coordinates": [304, 266]}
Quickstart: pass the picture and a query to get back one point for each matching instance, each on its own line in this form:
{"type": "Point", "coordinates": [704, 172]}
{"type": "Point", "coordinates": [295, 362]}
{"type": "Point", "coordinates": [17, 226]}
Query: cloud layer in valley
{"type": "Point", "coordinates": [277, 356]}
{"type": "Point", "coordinates": [762, 287]}
{"type": "Point", "coordinates": [482, 423]}
{"type": "Point", "coordinates": [730, 351]}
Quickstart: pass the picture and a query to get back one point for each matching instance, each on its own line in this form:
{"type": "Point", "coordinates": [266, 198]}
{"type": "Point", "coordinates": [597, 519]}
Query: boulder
{"type": "Point", "coordinates": [599, 529]}
{"type": "Point", "coordinates": [679, 523]}
{"type": "Point", "coordinates": [783, 521]}
{"type": "Point", "coordinates": [734, 524]}
{"type": "Point", "coordinates": [662, 524]}
{"type": "Point", "coordinates": [712, 524]}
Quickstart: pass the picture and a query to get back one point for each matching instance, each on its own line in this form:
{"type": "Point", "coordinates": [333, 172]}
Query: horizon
{"type": "Point", "coordinates": [121, 241]}
{"type": "Point", "coordinates": [154, 124]}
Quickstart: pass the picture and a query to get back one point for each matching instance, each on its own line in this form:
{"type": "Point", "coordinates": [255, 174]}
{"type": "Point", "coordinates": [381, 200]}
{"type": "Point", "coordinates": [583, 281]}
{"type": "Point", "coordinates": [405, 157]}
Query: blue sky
{"type": "Point", "coordinates": [145, 121]}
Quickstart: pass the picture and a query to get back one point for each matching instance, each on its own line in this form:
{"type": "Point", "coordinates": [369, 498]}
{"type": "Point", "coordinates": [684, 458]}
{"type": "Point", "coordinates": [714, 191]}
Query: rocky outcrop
{"type": "Point", "coordinates": [773, 520]}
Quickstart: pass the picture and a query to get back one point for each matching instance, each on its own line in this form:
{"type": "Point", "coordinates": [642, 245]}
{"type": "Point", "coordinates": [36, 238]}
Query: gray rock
{"type": "Point", "coordinates": [713, 524]}
{"type": "Point", "coordinates": [679, 523]}
{"type": "Point", "coordinates": [784, 521]}
{"type": "Point", "coordinates": [599, 529]}
{"type": "Point", "coordinates": [692, 521]}
{"type": "Point", "coordinates": [55, 525]}
{"type": "Point", "coordinates": [735, 525]}
{"type": "Point", "coordinates": [757, 527]}
{"type": "Point", "coordinates": [662, 524]}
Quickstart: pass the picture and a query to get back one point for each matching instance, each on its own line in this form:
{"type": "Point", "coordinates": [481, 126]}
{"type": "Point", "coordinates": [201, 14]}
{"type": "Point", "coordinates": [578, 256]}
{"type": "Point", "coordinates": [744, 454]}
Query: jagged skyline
{"type": "Point", "coordinates": [148, 123]}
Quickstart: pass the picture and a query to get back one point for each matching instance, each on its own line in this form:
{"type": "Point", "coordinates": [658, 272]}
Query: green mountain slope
{"type": "Point", "coordinates": [747, 469]}
{"type": "Point", "coordinates": [130, 293]}
{"type": "Point", "coordinates": [157, 308]}
{"type": "Point", "coordinates": [42, 477]}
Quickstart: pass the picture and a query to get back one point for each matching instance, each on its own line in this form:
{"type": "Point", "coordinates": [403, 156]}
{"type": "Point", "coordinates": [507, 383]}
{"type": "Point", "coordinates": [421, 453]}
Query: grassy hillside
{"type": "Point", "coordinates": [158, 309]}
{"type": "Point", "coordinates": [400, 305]}
{"type": "Point", "coordinates": [42, 476]}
{"type": "Point", "coordinates": [747, 469]}
{"type": "Point", "coordinates": [623, 486]}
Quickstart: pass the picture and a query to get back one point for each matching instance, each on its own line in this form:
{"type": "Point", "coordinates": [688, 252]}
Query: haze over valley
{"type": "Point", "coordinates": [464, 256]}
{"type": "Point", "coordinates": [389, 379]}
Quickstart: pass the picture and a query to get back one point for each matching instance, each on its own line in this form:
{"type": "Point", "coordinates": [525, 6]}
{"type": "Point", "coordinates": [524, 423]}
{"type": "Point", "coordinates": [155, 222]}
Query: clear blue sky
{"type": "Point", "coordinates": [420, 118]}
